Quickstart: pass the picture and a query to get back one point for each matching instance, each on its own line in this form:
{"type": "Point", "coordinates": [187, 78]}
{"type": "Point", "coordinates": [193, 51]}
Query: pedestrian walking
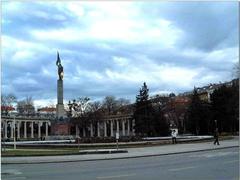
{"type": "Point", "coordinates": [216, 134]}
{"type": "Point", "coordinates": [174, 137]}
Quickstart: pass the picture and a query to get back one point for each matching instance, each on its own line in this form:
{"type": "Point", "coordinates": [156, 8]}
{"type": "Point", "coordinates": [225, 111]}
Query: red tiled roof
{"type": "Point", "coordinates": [7, 108]}
{"type": "Point", "coordinates": [47, 109]}
{"type": "Point", "coordinates": [181, 100]}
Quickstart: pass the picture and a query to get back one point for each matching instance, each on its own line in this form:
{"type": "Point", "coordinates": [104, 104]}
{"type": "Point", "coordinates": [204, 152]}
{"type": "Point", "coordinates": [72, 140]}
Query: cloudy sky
{"type": "Point", "coordinates": [111, 48]}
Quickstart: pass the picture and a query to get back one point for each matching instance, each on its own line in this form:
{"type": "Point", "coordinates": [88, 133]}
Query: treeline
{"type": "Point", "coordinates": [221, 112]}
{"type": "Point", "coordinates": [24, 107]}
{"type": "Point", "coordinates": [202, 117]}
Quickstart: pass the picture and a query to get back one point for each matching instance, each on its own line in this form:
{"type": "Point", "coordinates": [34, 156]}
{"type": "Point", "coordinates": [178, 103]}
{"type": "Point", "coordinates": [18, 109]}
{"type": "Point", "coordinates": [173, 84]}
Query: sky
{"type": "Point", "coordinates": [111, 48]}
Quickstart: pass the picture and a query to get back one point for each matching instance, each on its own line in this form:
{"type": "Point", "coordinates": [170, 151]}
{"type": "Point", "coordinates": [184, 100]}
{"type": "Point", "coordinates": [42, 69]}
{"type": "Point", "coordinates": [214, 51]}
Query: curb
{"type": "Point", "coordinates": [130, 157]}
{"type": "Point", "coordinates": [104, 151]}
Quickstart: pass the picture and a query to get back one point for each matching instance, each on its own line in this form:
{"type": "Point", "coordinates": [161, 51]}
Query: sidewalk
{"type": "Point", "coordinates": [70, 143]}
{"type": "Point", "coordinates": [132, 153]}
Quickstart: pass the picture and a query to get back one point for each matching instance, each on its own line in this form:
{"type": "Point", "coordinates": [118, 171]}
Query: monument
{"type": "Point", "coordinates": [61, 127]}
{"type": "Point", "coordinates": [60, 106]}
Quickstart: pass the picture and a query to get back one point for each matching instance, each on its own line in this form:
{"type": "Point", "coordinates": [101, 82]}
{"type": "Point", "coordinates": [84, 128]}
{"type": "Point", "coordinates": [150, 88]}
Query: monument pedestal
{"type": "Point", "coordinates": [60, 111]}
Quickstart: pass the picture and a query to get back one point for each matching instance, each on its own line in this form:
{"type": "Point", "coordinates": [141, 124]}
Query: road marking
{"type": "Point", "coordinates": [116, 176]}
{"type": "Point", "coordinates": [10, 172]}
{"type": "Point", "coordinates": [184, 168]}
{"type": "Point", "coordinates": [16, 178]}
{"type": "Point", "coordinates": [227, 162]}
{"type": "Point", "coordinates": [210, 155]}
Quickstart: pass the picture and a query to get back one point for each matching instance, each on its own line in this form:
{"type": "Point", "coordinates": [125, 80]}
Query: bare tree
{"type": "Point", "coordinates": [236, 70]}
{"type": "Point", "coordinates": [95, 106]}
{"type": "Point", "coordinates": [123, 102]}
{"type": "Point", "coordinates": [113, 105]}
{"type": "Point", "coordinates": [7, 102]}
{"type": "Point", "coordinates": [110, 104]}
{"type": "Point", "coordinates": [79, 107]}
{"type": "Point", "coordinates": [26, 106]}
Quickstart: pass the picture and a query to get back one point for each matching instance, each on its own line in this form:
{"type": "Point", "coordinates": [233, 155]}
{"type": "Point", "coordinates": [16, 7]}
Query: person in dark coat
{"type": "Point", "coordinates": [216, 134]}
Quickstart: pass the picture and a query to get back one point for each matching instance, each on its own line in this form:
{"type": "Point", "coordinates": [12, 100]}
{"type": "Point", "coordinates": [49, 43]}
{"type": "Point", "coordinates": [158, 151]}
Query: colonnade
{"type": "Point", "coordinates": [108, 128]}
{"type": "Point", "coordinates": [17, 125]}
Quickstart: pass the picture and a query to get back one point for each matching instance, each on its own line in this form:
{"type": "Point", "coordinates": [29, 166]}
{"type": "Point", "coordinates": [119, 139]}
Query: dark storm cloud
{"type": "Point", "coordinates": [22, 17]}
{"type": "Point", "coordinates": [206, 25]}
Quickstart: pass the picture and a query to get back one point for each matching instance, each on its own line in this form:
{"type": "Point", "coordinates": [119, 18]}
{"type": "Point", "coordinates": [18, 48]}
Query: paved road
{"type": "Point", "coordinates": [218, 164]}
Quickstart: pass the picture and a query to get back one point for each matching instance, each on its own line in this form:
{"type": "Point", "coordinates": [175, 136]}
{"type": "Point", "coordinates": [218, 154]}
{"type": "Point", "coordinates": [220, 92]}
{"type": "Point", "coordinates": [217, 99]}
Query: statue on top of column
{"type": "Point", "coordinates": [60, 67]}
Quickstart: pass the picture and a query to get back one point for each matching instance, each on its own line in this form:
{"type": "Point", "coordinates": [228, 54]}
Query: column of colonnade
{"type": "Point", "coordinates": [91, 130]}
{"type": "Point", "coordinates": [98, 129]}
{"type": "Point", "coordinates": [25, 129]}
{"type": "Point", "coordinates": [124, 126]}
{"type": "Point", "coordinates": [128, 127]}
{"type": "Point", "coordinates": [18, 129]}
{"type": "Point", "coordinates": [6, 125]}
{"type": "Point", "coordinates": [105, 129]}
{"type": "Point", "coordinates": [111, 128]}
{"type": "Point", "coordinates": [16, 126]}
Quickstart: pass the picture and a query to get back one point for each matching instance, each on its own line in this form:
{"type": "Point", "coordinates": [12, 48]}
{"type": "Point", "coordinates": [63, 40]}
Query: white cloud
{"type": "Point", "coordinates": [11, 7]}
{"type": "Point", "coordinates": [47, 72]}
{"type": "Point", "coordinates": [107, 21]}
{"type": "Point", "coordinates": [48, 16]}
{"type": "Point", "coordinates": [24, 80]}
{"type": "Point", "coordinates": [147, 70]}
{"type": "Point", "coordinates": [120, 61]}
{"type": "Point", "coordinates": [178, 76]}
{"type": "Point", "coordinates": [15, 44]}
{"type": "Point", "coordinates": [23, 55]}
{"type": "Point", "coordinates": [64, 34]}
{"type": "Point", "coordinates": [81, 75]}
{"type": "Point", "coordinates": [76, 8]}
{"type": "Point", "coordinates": [45, 102]}
{"type": "Point", "coordinates": [193, 53]}
{"type": "Point", "coordinates": [226, 55]}
{"type": "Point", "coordinates": [121, 30]}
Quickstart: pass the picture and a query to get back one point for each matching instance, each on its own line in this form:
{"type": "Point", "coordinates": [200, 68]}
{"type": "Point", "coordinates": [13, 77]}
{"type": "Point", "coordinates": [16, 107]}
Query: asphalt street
{"type": "Point", "coordinates": [221, 164]}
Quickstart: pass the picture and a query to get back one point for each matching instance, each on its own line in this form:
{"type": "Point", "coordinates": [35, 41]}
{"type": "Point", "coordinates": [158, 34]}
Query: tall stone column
{"type": "Point", "coordinates": [25, 129]}
{"type": "Point", "coordinates": [39, 129]}
{"type": "Point", "coordinates": [60, 106]}
{"type": "Point", "coordinates": [91, 130]}
{"type": "Point", "coordinates": [46, 130]}
{"type": "Point", "coordinates": [77, 130]}
{"type": "Point", "coordinates": [123, 127]}
{"type": "Point", "coordinates": [32, 128]}
{"type": "Point", "coordinates": [5, 127]}
{"type": "Point", "coordinates": [117, 126]}
{"type": "Point", "coordinates": [105, 129]}
{"type": "Point", "coordinates": [128, 127]}
{"type": "Point", "coordinates": [98, 129]}
{"type": "Point", "coordinates": [111, 124]}
{"type": "Point", "coordinates": [18, 129]}
{"type": "Point", "coordinates": [12, 129]}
